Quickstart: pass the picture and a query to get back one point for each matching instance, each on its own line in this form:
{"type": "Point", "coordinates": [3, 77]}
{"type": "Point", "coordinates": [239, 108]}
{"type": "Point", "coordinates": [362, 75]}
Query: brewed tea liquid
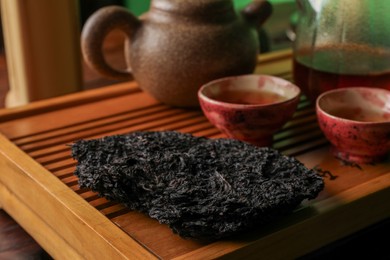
{"type": "Point", "coordinates": [249, 97]}
{"type": "Point", "coordinates": [360, 114]}
{"type": "Point", "coordinates": [336, 67]}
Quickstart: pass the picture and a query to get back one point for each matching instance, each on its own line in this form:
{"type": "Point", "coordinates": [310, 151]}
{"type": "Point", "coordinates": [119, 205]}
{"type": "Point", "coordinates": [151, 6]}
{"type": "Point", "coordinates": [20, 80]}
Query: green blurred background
{"type": "Point", "coordinates": [276, 28]}
{"type": "Point", "coordinates": [140, 6]}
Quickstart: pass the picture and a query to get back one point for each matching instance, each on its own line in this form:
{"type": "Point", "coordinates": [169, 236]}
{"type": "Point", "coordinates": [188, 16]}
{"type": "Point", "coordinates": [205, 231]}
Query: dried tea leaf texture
{"type": "Point", "coordinates": [202, 188]}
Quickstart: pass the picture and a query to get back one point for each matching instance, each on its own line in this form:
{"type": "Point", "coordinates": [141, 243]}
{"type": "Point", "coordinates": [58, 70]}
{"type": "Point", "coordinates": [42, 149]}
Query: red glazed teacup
{"type": "Point", "coordinates": [356, 121]}
{"type": "Point", "coordinates": [250, 108]}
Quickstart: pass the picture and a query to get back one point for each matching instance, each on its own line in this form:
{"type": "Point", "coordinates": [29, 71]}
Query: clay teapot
{"type": "Point", "coordinates": [178, 45]}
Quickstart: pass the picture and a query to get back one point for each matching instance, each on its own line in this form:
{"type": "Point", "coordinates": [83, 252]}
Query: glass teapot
{"type": "Point", "coordinates": [341, 43]}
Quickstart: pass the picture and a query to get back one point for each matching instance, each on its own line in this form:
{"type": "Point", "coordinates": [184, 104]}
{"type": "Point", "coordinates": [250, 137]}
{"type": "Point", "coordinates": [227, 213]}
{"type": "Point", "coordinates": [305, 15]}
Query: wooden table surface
{"type": "Point", "coordinates": [39, 190]}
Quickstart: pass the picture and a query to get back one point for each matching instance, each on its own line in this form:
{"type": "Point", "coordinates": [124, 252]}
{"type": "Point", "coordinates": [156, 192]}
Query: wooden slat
{"type": "Point", "coordinates": [65, 101]}
{"type": "Point", "coordinates": [85, 125]}
{"type": "Point", "coordinates": [152, 120]}
{"type": "Point", "coordinates": [87, 112]}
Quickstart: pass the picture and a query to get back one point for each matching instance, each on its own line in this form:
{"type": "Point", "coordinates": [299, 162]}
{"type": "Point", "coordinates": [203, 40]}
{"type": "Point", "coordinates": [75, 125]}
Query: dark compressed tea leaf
{"type": "Point", "coordinates": [202, 188]}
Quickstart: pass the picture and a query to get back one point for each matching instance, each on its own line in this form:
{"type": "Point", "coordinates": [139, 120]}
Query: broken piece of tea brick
{"type": "Point", "coordinates": [201, 188]}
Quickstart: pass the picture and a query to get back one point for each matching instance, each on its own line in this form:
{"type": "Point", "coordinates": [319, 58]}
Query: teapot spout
{"type": "Point", "coordinates": [257, 12]}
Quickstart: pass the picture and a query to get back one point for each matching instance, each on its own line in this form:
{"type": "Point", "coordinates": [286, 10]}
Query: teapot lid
{"type": "Point", "coordinates": [193, 7]}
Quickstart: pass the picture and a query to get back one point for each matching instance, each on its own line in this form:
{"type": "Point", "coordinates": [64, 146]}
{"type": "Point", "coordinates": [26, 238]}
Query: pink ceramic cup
{"type": "Point", "coordinates": [250, 108]}
{"type": "Point", "coordinates": [356, 121]}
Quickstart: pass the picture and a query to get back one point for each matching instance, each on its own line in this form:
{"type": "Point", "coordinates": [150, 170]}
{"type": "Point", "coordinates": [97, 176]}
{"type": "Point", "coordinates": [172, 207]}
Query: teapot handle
{"type": "Point", "coordinates": [96, 28]}
{"type": "Point", "coordinates": [257, 12]}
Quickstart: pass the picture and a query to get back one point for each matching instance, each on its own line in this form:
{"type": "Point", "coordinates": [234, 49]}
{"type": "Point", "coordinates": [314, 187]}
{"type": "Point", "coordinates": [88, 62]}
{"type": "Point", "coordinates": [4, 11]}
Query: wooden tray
{"type": "Point", "coordinates": [39, 190]}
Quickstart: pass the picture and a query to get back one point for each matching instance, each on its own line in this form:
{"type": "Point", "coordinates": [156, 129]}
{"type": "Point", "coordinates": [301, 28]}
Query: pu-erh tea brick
{"type": "Point", "coordinates": [201, 188]}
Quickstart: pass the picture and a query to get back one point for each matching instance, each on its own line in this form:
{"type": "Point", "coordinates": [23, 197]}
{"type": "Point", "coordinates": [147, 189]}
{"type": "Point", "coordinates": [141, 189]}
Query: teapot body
{"type": "Point", "coordinates": [341, 43]}
{"type": "Point", "coordinates": [179, 45]}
